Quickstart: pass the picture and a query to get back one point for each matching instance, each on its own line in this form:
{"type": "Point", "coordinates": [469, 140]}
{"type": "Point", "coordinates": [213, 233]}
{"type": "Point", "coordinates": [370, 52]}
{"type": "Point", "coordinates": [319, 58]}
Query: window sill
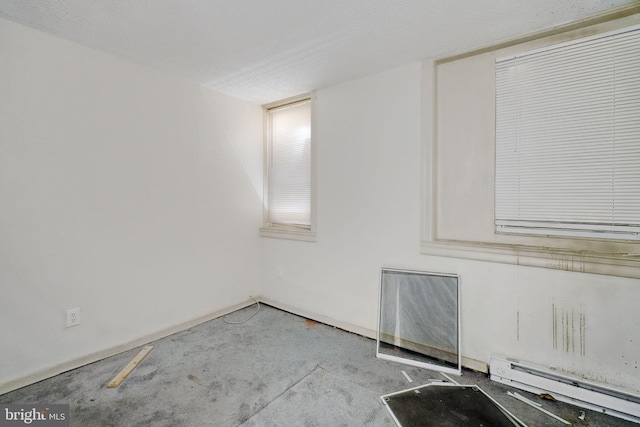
{"type": "Point", "coordinates": [585, 261]}
{"type": "Point", "coordinates": [288, 233]}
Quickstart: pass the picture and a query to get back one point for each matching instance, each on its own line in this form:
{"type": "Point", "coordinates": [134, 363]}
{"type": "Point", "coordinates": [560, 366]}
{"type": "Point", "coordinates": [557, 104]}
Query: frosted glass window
{"type": "Point", "coordinates": [568, 138]}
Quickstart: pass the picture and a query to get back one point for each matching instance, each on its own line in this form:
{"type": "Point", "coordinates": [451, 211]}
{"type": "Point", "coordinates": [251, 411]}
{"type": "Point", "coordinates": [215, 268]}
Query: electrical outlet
{"type": "Point", "coordinates": [73, 317]}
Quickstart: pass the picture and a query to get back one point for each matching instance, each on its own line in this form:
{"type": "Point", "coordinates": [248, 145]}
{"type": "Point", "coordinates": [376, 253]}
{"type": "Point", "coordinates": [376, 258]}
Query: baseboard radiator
{"type": "Point", "coordinates": [582, 393]}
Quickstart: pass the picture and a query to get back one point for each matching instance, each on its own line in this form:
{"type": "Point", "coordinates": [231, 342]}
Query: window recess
{"type": "Point", "coordinates": [288, 165]}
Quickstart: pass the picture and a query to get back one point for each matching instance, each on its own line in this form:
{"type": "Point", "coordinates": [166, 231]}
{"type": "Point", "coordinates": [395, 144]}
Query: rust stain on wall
{"type": "Point", "coordinates": [554, 319]}
{"type": "Point", "coordinates": [569, 329]}
{"type": "Point", "coordinates": [566, 334]}
{"type": "Point", "coordinates": [568, 262]}
{"type": "Point", "coordinates": [583, 328]}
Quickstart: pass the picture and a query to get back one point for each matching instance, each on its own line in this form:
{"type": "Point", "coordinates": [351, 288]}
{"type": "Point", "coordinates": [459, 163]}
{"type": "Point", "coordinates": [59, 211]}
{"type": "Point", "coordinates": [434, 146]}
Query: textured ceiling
{"type": "Point", "coordinates": [265, 50]}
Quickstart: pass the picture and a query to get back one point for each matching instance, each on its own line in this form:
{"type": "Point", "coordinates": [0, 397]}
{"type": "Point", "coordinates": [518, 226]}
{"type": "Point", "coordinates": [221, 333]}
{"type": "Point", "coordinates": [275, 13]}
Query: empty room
{"type": "Point", "coordinates": [319, 213]}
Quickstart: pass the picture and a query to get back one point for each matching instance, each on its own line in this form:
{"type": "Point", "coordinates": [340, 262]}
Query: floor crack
{"type": "Point", "coordinates": [281, 394]}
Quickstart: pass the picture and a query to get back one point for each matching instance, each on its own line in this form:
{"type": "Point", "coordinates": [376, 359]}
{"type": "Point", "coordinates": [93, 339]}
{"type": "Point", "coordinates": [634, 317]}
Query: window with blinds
{"type": "Point", "coordinates": [568, 139]}
{"type": "Point", "coordinates": [289, 165]}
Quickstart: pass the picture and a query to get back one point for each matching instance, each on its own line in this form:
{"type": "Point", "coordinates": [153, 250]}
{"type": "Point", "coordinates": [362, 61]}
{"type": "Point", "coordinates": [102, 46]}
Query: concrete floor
{"type": "Point", "coordinates": [277, 369]}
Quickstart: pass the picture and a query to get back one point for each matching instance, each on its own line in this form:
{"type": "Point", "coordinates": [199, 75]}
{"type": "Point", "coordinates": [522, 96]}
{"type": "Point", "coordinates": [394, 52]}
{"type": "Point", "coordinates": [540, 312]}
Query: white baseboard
{"type": "Point", "coordinates": [475, 365]}
{"type": "Point", "coordinates": [467, 362]}
{"type": "Point", "coordinates": [350, 327]}
{"type": "Point", "coordinates": [43, 374]}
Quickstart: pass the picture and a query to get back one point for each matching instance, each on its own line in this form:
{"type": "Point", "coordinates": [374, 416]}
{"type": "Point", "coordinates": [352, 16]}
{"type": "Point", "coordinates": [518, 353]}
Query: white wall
{"type": "Point", "coordinates": [137, 197]}
{"type": "Point", "coordinates": [122, 191]}
{"type": "Point", "coordinates": [367, 196]}
{"type": "Point", "coordinates": [369, 173]}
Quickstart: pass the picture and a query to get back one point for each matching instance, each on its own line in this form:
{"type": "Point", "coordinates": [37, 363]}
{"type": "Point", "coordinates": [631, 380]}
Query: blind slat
{"type": "Point", "coordinates": [289, 165]}
{"type": "Point", "coordinates": [568, 135]}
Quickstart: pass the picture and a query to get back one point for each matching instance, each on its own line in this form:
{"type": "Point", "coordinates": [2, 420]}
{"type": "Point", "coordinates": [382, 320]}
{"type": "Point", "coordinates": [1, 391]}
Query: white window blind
{"type": "Point", "coordinates": [568, 138]}
{"type": "Point", "coordinates": [289, 165]}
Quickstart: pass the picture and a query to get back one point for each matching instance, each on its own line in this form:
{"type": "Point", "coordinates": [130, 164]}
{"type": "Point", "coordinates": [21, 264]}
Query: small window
{"type": "Point", "coordinates": [289, 186]}
{"type": "Point", "coordinates": [568, 139]}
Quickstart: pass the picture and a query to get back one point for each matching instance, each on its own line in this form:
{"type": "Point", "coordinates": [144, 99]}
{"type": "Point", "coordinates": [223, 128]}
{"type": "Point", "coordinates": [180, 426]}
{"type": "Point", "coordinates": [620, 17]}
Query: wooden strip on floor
{"type": "Point", "coordinates": [117, 380]}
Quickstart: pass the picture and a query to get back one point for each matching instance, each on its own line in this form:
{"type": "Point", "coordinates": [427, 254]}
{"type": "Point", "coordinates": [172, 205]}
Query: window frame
{"type": "Point", "coordinates": [439, 234]}
{"type": "Point", "coordinates": [282, 231]}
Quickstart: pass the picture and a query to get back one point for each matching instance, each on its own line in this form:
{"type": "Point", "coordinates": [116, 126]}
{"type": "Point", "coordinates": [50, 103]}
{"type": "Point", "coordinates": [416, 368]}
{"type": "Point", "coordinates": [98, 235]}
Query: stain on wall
{"type": "Point", "coordinates": [569, 328]}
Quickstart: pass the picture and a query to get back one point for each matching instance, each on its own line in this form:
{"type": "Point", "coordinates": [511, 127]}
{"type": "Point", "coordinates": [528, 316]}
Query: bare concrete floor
{"type": "Point", "coordinates": [277, 369]}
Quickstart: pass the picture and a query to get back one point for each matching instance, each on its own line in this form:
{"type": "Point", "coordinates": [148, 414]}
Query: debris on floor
{"type": "Point", "coordinates": [537, 406]}
{"type": "Point", "coordinates": [118, 379]}
{"type": "Point", "coordinates": [407, 376]}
